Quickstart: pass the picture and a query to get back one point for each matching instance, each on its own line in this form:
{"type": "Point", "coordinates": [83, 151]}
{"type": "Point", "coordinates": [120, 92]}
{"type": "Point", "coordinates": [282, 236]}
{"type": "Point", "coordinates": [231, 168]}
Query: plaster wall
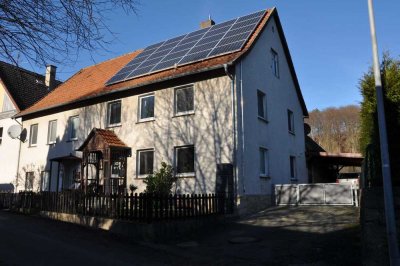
{"type": "Point", "coordinates": [209, 129]}
{"type": "Point", "coordinates": [254, 72]}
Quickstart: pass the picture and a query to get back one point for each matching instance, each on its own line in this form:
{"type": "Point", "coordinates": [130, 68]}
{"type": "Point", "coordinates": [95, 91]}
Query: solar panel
{"type": "Point", "coordinates": [219, 39]}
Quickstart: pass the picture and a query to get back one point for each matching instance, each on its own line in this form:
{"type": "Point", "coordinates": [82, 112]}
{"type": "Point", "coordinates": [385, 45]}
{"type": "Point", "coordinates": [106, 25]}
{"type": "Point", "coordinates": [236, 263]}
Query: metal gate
{"type": "Point", "coordinates": [316, 194]}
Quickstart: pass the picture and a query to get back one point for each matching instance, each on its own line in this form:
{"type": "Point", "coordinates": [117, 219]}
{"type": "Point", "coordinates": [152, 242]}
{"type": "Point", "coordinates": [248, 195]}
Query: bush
{"type": "Point", "coordinates": [161, 181]}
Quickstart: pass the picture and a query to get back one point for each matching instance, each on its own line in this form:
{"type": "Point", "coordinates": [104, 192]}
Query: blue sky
{"type": "Point", "coordinates": [329, 40]}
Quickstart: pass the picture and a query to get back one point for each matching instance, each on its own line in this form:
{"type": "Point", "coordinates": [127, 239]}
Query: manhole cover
{"type": "Point", "coordinates": [243, 240]}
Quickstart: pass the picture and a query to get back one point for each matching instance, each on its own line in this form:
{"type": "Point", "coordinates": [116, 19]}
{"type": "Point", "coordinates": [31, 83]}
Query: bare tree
{"type": "Point", "coordinates": [336, 129]}
{"type": "Point", "coordinates": [43, 31]}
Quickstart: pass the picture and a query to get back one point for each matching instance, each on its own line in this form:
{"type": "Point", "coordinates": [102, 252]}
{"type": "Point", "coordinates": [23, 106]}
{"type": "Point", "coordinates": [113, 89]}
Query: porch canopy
{"type": "Point", "coordinates": [104, 162]}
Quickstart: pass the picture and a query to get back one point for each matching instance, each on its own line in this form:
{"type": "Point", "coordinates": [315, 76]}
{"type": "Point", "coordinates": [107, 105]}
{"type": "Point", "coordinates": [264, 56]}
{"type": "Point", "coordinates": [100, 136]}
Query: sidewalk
{"type": "Point", "coordinates": [325, 235]}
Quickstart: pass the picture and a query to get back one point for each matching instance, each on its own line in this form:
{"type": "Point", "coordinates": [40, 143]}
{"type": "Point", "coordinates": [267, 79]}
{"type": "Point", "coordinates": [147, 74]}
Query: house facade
{"type": "Point", "coordinates": [19, 89]}
{"type": "Point", "coordinates": [232, 122]}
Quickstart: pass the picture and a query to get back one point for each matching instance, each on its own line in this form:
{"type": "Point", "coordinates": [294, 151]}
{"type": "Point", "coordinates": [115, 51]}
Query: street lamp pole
{"type": "Point", "coordinates": [387, 180]}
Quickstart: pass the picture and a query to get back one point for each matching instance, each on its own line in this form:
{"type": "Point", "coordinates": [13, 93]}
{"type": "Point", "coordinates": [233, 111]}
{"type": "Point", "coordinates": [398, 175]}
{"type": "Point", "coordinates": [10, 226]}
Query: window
{"type": "Point", "coordinates": [146, 107]}
{"type": "Point", "coordinates": [114, 113]}
{"type": "Point", "coordinates": [184, 160]}
{"type": "Point", "coordinates": [29, 178]}
{"type": "Point", "coordinates": [290, 121]}
{"type": "Point", "coordinates": [275, 63]}
{"type": "Point", "coordinates": [184, 100]}
{"type": "Point", "coordinates": [262, 105]}
{"type": "Point", "coordinates": [52, 132]}
{"type": "Point", "coordinates": [264, 162]}
{"type": "Point", "coordinates": [293, 173]}
{"type": "Point", "coordinates": [7, 104]}
{"type": "Point", "coordinates": [73, 127]}
{"type": "Point", "coordinates": [44, 181]}
{"type": "Point", "coordinates": [145, 162]}
{"type": "Point", "coordinates": [1, 135]}
{"type": "Point", "coordinates": [33, 134]}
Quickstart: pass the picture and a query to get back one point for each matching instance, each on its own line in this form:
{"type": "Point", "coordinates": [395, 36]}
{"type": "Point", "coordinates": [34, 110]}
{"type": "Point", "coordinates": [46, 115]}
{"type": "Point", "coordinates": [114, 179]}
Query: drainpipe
{"type": "Point", "coordinates": [242, 124]}
{"type": "Point", "coordinates": [234, 160]}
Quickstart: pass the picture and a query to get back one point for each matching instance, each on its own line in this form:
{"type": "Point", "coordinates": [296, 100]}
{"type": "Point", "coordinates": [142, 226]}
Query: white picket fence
{"type": "Point", "coordinates": [316, 194]}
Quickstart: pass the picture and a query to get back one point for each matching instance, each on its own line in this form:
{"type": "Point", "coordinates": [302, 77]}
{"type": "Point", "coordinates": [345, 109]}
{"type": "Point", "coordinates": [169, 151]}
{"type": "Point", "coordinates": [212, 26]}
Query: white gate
{"type": "Point", "coordinates": [316, 194]}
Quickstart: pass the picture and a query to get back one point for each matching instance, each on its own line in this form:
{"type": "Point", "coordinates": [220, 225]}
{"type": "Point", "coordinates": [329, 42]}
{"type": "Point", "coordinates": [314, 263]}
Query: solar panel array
{"type": "Point", "coordinates": [219, 39]}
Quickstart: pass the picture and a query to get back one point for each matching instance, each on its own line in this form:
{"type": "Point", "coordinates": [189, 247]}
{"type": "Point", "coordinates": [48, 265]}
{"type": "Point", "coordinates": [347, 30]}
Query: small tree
{"type": "Point", "coordinates": [161, 181]}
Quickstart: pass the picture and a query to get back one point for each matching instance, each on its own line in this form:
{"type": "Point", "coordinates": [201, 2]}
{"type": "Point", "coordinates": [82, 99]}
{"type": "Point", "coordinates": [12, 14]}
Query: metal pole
{"type": "Point", "coordinates": [387, 181]}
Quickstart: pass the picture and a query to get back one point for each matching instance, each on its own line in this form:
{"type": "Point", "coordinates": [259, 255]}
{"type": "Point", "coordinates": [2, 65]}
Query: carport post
{"type": "Point", "coordinates": [385, 161]}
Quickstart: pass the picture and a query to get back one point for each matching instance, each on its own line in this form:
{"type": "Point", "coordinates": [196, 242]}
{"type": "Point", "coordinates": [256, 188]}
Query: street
{"type": "Point", "coordinates": [277, 236]}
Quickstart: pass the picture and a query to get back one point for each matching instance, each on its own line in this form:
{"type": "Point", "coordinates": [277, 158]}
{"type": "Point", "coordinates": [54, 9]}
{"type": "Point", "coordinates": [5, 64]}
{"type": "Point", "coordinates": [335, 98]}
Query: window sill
{"type": "Point", "coordinates": [292, 133]}
{"type": "Point", "coordinates": [114, 125]}
{"type": "Point", "coordinates": [32, 146]}
{"type": "Point", "coordinates": [185, 175]}
{"type": "Point", "coordinates": [145, 120]}
{"type": "Point", "coordinates": [52, 143]}
{"type": "Point", "coordinates": [184, 114]}
{"type": "Point", "coordinates": [263, 119]}
{"type": "Point", "coordinates": [293, 180]}
{"type": "Point", "coordinates": [266, 177]}
{"type": "Point", "coordinates": [72, 140]}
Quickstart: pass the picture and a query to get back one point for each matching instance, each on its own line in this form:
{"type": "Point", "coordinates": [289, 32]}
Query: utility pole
{"type": "Point", "coordinates": [387, 180]}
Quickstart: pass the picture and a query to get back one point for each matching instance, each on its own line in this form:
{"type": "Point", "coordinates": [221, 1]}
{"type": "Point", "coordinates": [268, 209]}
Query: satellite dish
{"type": "Point", "coordinates": [14, 131]}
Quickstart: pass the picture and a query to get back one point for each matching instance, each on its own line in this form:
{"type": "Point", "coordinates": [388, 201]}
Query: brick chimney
{"type": "Point", "coordinates": [50, 77]}
{"type": "Point", "coordinates": [208, 23]}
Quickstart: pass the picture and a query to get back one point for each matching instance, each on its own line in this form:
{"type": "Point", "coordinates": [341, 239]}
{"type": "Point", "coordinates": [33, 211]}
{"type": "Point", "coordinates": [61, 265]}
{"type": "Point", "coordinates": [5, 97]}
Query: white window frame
{"type": "Point", "coordinates": [140, 119]}
{"type": "Point", "coordinates": [184, 174]}
{"type": "Point", "coordinates": [109, 113]}
{"type": "Point", "coordinates": [176, 101]}
{"type": "Point", "coordinates": [71, 127]}
{"type": "Point", "coordinates": [1, 134]}
{"type": "Point", "coordinates": [138, 162]}
{"type": "Point", "coordinates": [50, 131]}
{"type": "Point", "coordinates": [290, 121]}
{"type": "Point", "coordinates": [275, 63]}
{"type": "Point", "coordinates": [31, 144]}
{"type": "Point", "coordinates": [293, 167]}
{"type": "Point", "coordinates": [266, 162]}
{"type": "Point", "coordinates": [264, 103]}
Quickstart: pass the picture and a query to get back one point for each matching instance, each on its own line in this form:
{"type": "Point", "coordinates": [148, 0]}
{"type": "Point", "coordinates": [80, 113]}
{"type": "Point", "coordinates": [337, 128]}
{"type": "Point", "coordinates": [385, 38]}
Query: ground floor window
{"type": "Point", "coordinates": [44, 180]}
{"type": "Point", "coordinates": [264, 163]}
{"type": "Point", "coordinates": [184, 160]}
{"type": "Point", "coordinates": [293, 173]}
{"type": "Point", "coordinates": [145, 162]}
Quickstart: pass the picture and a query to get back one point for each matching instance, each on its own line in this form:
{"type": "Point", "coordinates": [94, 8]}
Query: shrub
{"type": "Point", "coordinates": [161, 181]}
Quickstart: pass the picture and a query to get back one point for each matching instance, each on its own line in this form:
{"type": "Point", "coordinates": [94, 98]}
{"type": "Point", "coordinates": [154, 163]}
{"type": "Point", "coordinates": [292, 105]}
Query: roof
{"type": "Point", "coordinates": [89, 82]}
{"type": "Point", "coordinates": [345, 159]}
{"type": "Point", "coordinates": [25, 87]}
{"type": "Point", "coordinates": [107, 136]}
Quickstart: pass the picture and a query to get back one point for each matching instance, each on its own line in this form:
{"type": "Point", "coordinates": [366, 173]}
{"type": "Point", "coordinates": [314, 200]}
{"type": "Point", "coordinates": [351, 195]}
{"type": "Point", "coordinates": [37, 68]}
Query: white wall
{"type": "Point", "coordinates": [208, 129]}
{"type": "Point", "coordinates": [9, 148]}
{"type": "Point", "coordinates": [281, 95]}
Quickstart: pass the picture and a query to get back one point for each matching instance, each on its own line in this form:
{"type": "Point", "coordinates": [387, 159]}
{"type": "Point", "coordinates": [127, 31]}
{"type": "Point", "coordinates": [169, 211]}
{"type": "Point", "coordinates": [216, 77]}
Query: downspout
{"type": "Point", "coordinates": [233, 102]}
{"type": "Point", "coordinates": [242, 124]}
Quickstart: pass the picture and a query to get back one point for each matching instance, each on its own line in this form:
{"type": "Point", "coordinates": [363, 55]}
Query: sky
{"type": "Point", "coordinates": [329, 40]}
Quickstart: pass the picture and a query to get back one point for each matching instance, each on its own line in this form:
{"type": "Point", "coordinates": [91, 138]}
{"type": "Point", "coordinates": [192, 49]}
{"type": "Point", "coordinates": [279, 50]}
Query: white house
{"type": "Point", "coordinates": [19, 89]}
{"type": "Point", "coordinates": [222, 105]}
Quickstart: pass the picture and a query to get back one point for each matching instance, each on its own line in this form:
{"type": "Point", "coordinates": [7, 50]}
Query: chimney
{"type": "Point", "coordinates": [50, 76]}
{"type": "Point", "coordinates": [208, 23]}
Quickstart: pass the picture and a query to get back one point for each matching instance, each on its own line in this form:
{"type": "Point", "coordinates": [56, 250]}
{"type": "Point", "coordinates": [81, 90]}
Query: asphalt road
{"type": "Point", "coordinates": [277, 236]}
{"type": "Point", "coordinates": [26, 240]}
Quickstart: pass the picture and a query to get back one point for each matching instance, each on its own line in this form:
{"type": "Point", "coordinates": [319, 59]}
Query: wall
{"type": "Point", "coordinates": [254, 73]}
{"type": "Point", "coordinates": [209, 129]}
{"type": "Point", "coordinates": [9, 148]}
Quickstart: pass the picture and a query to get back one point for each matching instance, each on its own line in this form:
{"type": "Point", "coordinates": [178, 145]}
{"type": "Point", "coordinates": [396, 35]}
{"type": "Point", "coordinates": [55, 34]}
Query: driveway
{"type": "Point", "coordinates": [326, 235]}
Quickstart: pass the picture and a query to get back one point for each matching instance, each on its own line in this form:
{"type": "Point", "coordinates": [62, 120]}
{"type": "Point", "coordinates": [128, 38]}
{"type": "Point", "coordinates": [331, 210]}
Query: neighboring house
{"type": "Point", "coordinates": [228, 118]}
{"type": "Point", "coordinates": [19, 89]}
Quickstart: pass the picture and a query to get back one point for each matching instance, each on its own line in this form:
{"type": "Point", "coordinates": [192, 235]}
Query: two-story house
{"type": "Point", "coordinates": [222, 105]}
{"type": "Point", "coordinates": [19, 89]}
